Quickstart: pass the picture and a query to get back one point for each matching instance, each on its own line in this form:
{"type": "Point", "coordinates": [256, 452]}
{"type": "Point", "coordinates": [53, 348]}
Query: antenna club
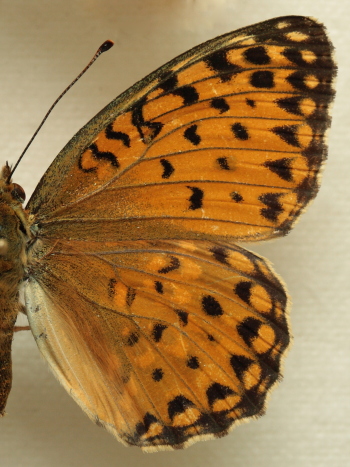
{"type": "Point", "coordinates": [105, 46]}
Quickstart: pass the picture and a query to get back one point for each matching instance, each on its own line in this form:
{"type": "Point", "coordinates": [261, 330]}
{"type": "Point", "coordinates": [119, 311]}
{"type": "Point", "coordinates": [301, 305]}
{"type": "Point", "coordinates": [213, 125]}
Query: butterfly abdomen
{"type": "Point", "coordinates": [12, 242]}
{"type": "Point", "coordinates": [8, 314]}
{"type": "Point", "coordinates": [11, 273]}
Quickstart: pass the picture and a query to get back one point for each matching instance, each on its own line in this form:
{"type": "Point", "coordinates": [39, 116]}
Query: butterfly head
{"type": "Point", "coordinates": [14, 227]}
{"type": "Point", "coordinates": [14, 190]}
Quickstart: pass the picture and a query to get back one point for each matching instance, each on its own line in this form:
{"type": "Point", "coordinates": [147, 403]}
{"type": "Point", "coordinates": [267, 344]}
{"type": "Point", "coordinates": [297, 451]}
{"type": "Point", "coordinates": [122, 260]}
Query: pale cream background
{"type": "Point", "coordinates": [44, 44]}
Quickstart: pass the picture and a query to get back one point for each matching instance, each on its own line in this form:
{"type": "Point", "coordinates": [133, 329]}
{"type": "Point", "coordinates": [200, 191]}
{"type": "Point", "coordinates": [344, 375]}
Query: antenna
{"type": "Point", "coordinates": [103, 48]}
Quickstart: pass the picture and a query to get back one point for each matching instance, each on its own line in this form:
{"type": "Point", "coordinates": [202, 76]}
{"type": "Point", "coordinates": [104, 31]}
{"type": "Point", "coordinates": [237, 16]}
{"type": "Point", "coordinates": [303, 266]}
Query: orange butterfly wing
{"type": "Point", "coordinates": [160, 342]}
{"type": "Point", "coordinates": [231, 132]}
{"type": "Point", "coordinates": [160, 338]}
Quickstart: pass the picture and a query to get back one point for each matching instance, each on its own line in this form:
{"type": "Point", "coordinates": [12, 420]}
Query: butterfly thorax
{"type": "Point", "coordinates": [12, 259]}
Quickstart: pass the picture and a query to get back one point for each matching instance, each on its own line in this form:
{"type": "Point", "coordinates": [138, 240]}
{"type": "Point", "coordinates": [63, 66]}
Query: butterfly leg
{"type": "Point", "coordinates": [21, 328]}
{"type": "Point", "coordinates": [22, 309]}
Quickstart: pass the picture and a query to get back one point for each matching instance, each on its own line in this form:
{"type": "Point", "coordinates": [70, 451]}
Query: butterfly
{"type": "Point", "coordinates": [157, 323]}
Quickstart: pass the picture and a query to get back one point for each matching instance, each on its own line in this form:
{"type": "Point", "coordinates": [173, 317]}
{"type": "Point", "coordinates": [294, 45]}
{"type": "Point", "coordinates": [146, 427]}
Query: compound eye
{"type": "Point", "coordinates": [4, 246]}
{"type": "Point", "coordinates": [18, 193]}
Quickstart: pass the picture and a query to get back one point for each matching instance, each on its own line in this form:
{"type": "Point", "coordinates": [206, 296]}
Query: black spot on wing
{"type": "Point", "coordinates": [168, 83]}
{"type": "Point", "coordinates": [217, 391]}
{"type": "Point", "coordinates": [159, 287]}
{"type": "Point", "coordinates": [148, 420]}
{"type": "Point", "coordinates": [274, 207]}
{"type": "Point", "coordinates": [240, 131]}
{"type": "Point", "coordinates": [178, 405]}
{"type": "Point", "coordinates": [132, 339]}
{"type": "Point", "coordinates": [281, 167]}
{"type": "Point", "coordinates": [257, 55]}
{"type": "Point", "coordinates": [262, 79]}
{"type": "Point", "coordinates": [130, 296]}
{"type": "Point", "coordinates": [240, 364]}
{"type": "Point", "coordinates": [99, 156]}
{"type": "Point", "coordinates": [287, 133]}
{"type": "Point", "coordinates": [249, 329]}
{"type": "Point", "coordinates": [290, 104]}
{"type": "Point", "coordinates": [117, 135]}
{"type": "Point", "coordinates": [192, 136]}
{"type": "Point", "coordinates": [183, 316]}
{"type": "Point", "coordinates": [174, 264]}
{"type": "Point", "coordinates": [157, 331]}
{"type": "Point", "coordinates": [250, 102]}
{"type": "Point", "coordinates": [157, 374]}
{"type": "Point", "coordinates": [189, 94]}
{"type": "Point", "coordinates": [298, 81]}
{"type": "Point", "coordinates": [237, 197]}
{"type": "Point", "coordinates": [196, 199]}
{"type": "Point", "coordinates": [220, 104]}
{"type": "Point", "coordinates": [223, 163]}
{"type": "Point", "coordinates": [295, 56]}
{"type": "Point", "coordinates": [111, 287]}
{"type": "Point", "coordinates": [218, 62]}
{"type": "Point", "coordinates": [243, 290]}
{"type": "Point", "coordinates": [211, 306]}
{"type": "Point", "coordinates": [147, 130]}
{"type": "Point", "coordinates": [168, 168]}
{"type": "Point", "coordinates": [193, 363]}
{"type": "Point", "coordinates": [220, 254]}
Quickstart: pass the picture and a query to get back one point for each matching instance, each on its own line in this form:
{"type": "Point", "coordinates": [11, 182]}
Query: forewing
{"type": "Point", "coordinates": [226, 141]}
{"type": "Point", "coordinates": [163, 343]}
